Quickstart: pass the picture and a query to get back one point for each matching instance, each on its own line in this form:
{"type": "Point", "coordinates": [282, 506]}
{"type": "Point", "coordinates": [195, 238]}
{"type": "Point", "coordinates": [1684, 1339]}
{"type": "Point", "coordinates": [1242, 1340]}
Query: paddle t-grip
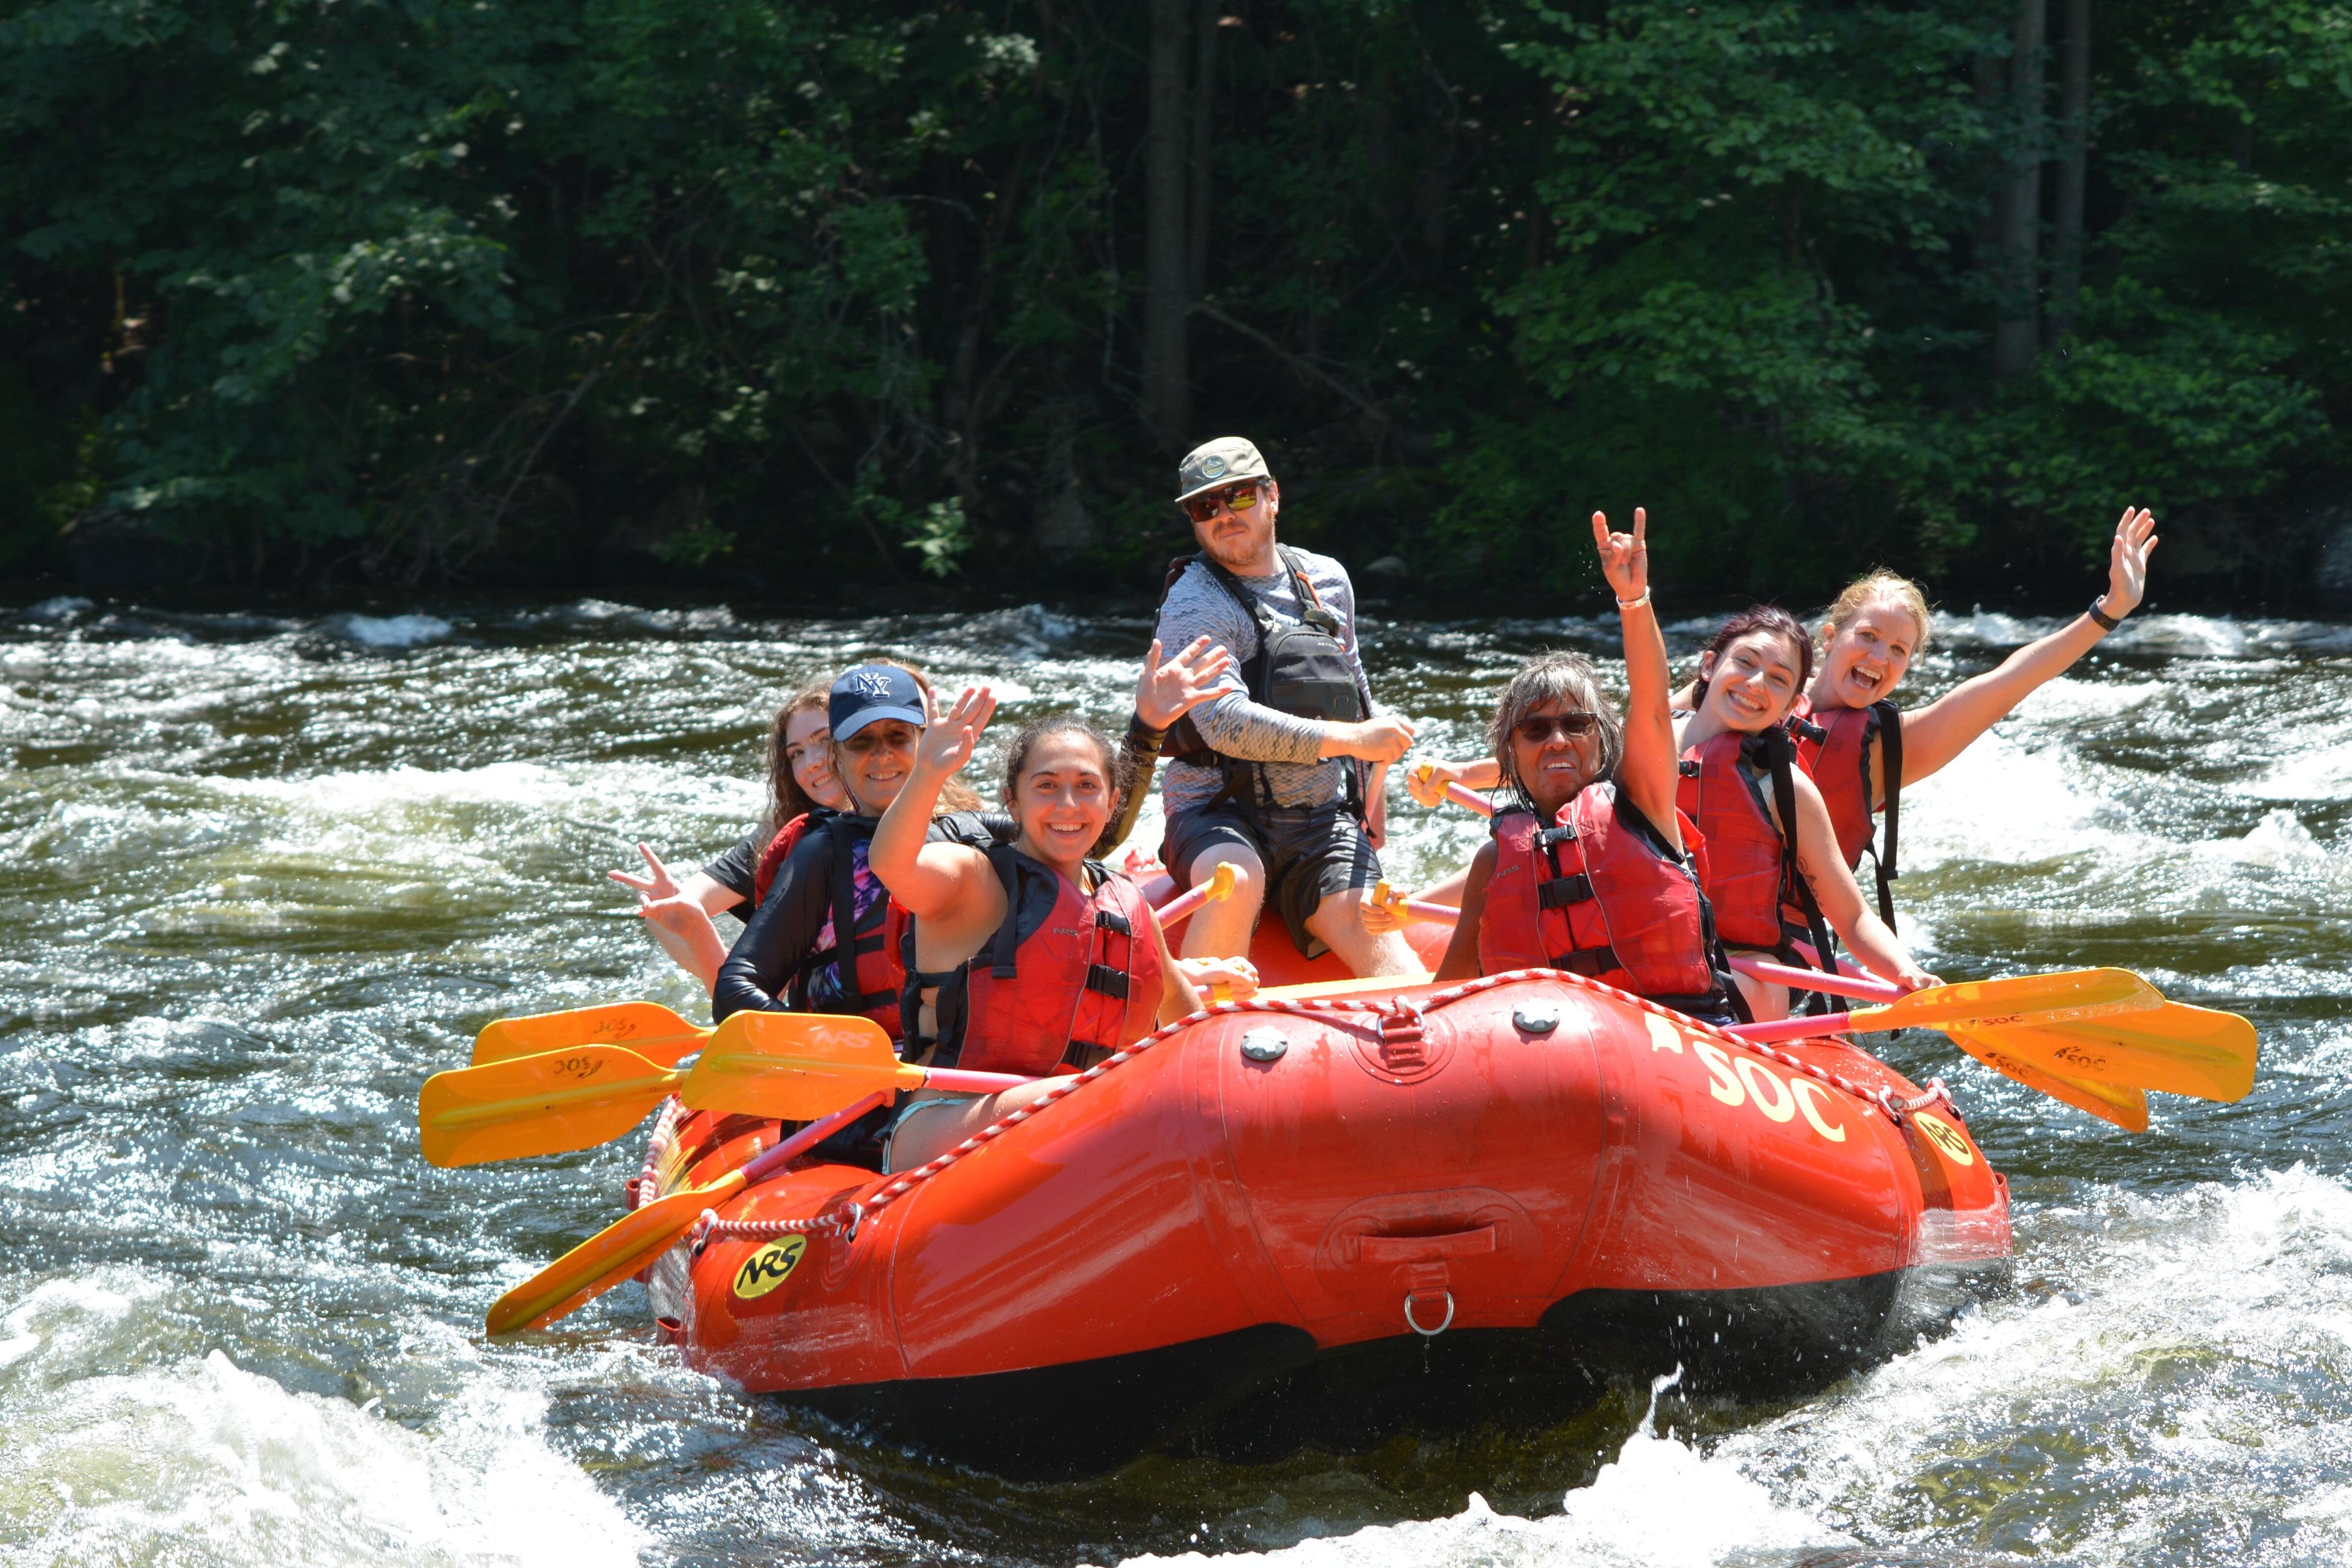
{"type": "Point", "coordinates": [1460, 794]}
{"type": "Point", "coordinates": [1215, 890]}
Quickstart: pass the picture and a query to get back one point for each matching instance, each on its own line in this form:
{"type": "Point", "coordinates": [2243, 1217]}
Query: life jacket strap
{"type": "Point", "coordinates": [1890, 746]}
{"type": "Point", "coordinates": [1107, 980]}
{"type": "Point", "coordinates": [1588, 961]}
{"type": "Point", "coordinates": [1561, 891]}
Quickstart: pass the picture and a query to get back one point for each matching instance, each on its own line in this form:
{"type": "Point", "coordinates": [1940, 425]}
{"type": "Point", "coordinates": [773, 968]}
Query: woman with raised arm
{"type": "Point", "coordinates": [1770, 846]}
{"type": "Point", "coordinates": [1589, 867]}
{"type": "Point", "coordinates": [1027, 957]}
{"type": "Point", "coordinates": [791, 956]}
{"type": "Point", "coordinates": [804, 788]}
{"type": "Point", "coordinates": [1870, 751]}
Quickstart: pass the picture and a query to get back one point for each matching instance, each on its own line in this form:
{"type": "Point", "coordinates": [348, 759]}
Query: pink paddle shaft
{"type": "Point", "coordinates": [825, 1127]}
{"type": "Point", "coordinates": [1813, 980]}
{"type": "Point", "coordinates": [1794, 1028]}
{"type": "Point", "coordinates": [1182, 906]}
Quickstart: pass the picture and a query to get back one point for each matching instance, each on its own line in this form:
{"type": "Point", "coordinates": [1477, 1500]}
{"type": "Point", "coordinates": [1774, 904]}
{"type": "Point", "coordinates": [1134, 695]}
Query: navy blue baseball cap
{"type": "Point", "coordinates": [873, 691]}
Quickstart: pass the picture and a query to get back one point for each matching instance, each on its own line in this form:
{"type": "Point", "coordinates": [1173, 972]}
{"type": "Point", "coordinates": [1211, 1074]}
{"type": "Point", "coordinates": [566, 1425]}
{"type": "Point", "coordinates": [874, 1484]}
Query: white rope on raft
{"type": "Point", "coordinates": [848, 1216]}
{"type": "Point", "coordinates": [637, 1191]}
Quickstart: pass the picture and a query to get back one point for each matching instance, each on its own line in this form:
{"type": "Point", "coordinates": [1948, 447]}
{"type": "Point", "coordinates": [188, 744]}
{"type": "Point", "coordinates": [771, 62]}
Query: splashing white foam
{"type": "Point", "coordinates": [2002, 801]}
{"type": "Point", "coordinates": [1659, 1504]}
{"type": "Point", "coordinates": [387, 631]}
{"type": "Point", "coordinates": [205, 1462]}
{"type": "Point", "coordinates": [2108, 1424]}
{"type": "Point", "coordinates": [2280, 838]}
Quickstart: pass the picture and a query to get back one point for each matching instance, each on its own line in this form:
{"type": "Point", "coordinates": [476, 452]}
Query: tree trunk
{"type": "Point", "coordinates": [2073, 169]}
{"type": "Point", "coordinates": [2021, 219]}
{"type": "Point", "coordinates": [1200, 193]}
{"type": "Point", "coordinates": [1166, 375]}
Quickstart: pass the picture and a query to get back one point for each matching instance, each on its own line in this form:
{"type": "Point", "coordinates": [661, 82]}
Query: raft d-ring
{"type": "Point", "coordinates": [1428, 1333]}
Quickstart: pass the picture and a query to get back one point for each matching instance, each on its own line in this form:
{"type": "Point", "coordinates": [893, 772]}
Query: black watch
{"type": "Point", "coordinates": [2104, 619]}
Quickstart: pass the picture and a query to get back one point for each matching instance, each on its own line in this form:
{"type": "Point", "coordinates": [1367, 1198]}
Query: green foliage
{"type": "Point", "coordinates": [821, 291]}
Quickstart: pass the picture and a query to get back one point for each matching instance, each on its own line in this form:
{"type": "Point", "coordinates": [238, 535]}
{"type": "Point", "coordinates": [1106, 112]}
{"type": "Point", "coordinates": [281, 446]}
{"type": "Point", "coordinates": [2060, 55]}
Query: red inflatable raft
{"type": "Point", "coordinates": [1528, 1170]}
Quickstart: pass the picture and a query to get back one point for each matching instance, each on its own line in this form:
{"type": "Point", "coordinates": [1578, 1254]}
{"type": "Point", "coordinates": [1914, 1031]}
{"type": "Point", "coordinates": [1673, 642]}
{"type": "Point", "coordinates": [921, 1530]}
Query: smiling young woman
{"type": "Point", "coordinates": [1027, 957]}
{"type": "Point", "coordinates": [1869, 749]}
{"type": "Point", "coordinates": [1773, 872]}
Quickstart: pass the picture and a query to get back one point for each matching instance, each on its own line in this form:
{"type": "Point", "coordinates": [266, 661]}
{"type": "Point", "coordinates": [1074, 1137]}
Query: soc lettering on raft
{"type": "Point", "coordinates": [1744, 1080]}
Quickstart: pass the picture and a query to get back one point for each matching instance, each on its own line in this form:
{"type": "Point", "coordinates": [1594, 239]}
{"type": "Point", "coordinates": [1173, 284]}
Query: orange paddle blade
{"type": "Point", "coordinates": [795, 1066]}
{"type": "Point", "coordinates": [2127, 1108]}
{"type": "Point", "coordinates": [2175, 1049]}
{"type": "Point", "coordinates": [545, 1104]}
{"type": "Point", "coordinates": [605, 1259]}
{"type": "Point", "coordinates": [648, 1029]}
{"type": "Point", "coordinates": [2035, 999]}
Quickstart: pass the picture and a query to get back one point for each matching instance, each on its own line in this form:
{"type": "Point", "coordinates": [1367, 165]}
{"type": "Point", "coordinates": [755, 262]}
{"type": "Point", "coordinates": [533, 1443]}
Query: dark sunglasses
{"type": "Point", "coordinates": [896, 740]}
{"type": "Point", "coordinates": [1240, 498]}
{"type": "Point", "coordinates": [1567, 726]}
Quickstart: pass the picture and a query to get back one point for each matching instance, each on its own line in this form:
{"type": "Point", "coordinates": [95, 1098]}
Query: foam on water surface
{"type": "Point", "coordinates": [263, 879]}
{"type": "Point", "coordinates": [203, 1462]}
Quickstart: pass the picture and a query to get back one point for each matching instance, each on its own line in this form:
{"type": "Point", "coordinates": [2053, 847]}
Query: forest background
{"type": "Point", "coordinates": [819, 298]}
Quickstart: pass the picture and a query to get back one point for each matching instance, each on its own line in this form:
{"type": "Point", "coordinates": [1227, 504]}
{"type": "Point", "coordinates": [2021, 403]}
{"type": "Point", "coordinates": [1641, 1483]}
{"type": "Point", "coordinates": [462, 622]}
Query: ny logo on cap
{"type": "Point", "coordinates": [871, 683]}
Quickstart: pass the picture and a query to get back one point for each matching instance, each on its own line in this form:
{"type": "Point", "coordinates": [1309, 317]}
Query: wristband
{"type": "Point", "coordinates": [2107, 621]}
{"type": "Point", "coordinates": [1634, 604]}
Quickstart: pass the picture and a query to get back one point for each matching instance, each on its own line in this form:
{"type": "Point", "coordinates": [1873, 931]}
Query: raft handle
{"type": "Point", "coordinates": [1444, 1324]}
{"type": "Point", "coordinates": [1472, 1242]}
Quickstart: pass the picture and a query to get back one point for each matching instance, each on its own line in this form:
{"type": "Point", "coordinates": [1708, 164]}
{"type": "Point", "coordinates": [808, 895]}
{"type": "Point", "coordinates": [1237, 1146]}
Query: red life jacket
{"type": "Point", "coordinates": [1749, 869]}
{"type": "Point", "coordinates": [1594, 896]}
{"type": "Point", "coordinates": [1066, 979]}
{"type": "Point", "coordinates": [1840, 763]}
{"type": "Point", "coordinates": [772, 858]}
{"type": "Point", "coordinates": [877, 975]}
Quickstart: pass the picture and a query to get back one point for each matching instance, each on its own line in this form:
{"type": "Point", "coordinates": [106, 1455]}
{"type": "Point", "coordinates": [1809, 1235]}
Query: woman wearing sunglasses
{"type": "Point", "coordinates": [1589, 869]}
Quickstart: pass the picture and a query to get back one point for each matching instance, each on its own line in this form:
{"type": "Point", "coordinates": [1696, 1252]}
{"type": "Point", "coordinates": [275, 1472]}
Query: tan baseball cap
{"type": "Point", "coordinates": [1226, 460]}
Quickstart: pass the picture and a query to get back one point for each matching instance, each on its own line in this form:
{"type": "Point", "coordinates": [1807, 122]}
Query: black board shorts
{"type": "Point", "coordinates": [1309, 853]}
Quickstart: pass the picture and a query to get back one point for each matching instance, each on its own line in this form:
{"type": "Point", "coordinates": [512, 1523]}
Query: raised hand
{"type": "Point", "coordinates": [1624, 557]}
{"type": "Point", "coordinates": [679, 915]}
{"type": "Point", "coordinates": [659, 884]}
{"type": "Point", "coordinates": [948, 743]}
{"type": "Point", "coordinates": [1167, 691]}
{"type": "Point", "coordinates": [2135, 542]}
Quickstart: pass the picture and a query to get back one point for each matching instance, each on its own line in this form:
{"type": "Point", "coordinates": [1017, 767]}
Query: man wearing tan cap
{"type": "Point", "coordinates": [1271, 775]}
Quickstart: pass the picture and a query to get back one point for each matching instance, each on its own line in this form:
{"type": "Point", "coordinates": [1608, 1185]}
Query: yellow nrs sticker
{"type": "Point", "coordinates": [769, 1268]}
{"type": "Point", "coordinates": [1945, 1137]}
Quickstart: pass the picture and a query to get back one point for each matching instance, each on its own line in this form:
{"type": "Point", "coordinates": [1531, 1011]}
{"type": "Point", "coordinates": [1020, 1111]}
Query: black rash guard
{"type": "Point", "coordinates": [789, 923]}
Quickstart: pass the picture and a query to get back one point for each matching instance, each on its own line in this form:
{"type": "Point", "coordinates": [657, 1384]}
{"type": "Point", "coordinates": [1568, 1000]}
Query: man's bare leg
{"type": "Point", "coordinates": [1222, 929]}
{"type": "Point", "coordinates": [1338, 919]}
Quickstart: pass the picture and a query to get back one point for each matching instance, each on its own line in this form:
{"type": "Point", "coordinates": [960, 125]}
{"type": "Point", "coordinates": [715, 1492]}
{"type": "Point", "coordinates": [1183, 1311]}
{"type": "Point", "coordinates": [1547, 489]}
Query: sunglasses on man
{"type": "Point", "coordinates": [1236, 498]}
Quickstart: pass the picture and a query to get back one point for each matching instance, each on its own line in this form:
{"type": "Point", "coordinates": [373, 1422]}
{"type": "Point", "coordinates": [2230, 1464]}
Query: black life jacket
{"type": "Point", "coordinates": [1301, 667]}
{"type": "Point", "coordinates": [870, 981]}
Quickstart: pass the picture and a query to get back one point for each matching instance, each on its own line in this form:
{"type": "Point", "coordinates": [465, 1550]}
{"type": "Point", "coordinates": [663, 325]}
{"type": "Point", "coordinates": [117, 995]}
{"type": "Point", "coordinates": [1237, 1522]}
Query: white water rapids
{"type": "Point", "coordinates": [261, 874]}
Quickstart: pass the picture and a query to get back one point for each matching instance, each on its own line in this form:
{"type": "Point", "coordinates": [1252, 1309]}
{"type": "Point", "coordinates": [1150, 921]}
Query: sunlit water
{"type": "Point", "coordinates": [261, 876]}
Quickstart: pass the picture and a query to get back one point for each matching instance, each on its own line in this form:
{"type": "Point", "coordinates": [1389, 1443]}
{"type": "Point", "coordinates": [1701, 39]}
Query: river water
{"type": "Point", "coordinates": [260, 875]}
